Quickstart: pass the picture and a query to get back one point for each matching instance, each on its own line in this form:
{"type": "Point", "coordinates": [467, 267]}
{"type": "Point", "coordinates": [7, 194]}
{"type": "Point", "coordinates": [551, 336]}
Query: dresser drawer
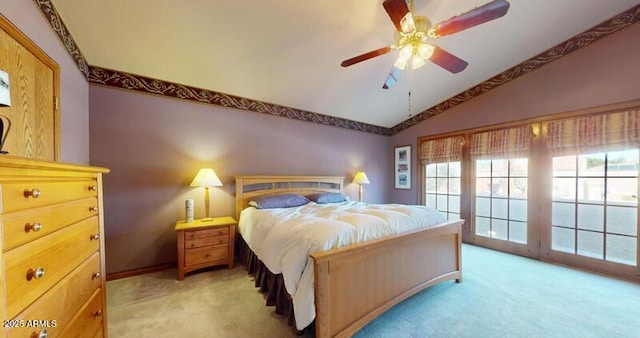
{"type": "Point", "coordinates": [63, 300]}
{"type": "Point", "coordinates": [206, 254]}
{"type": "Point", "coordinates": [30, 194]}
{"type": "Point", "coordinates": [87, 322]}
{"type": "Point", "coordinates": [205, 241]}
{"type": "Point", "coordinates": [56, 254]}
{"type": "Point", "coordinates": [206, 233]}
{"type": "Point", "coordinates": [24, 226]}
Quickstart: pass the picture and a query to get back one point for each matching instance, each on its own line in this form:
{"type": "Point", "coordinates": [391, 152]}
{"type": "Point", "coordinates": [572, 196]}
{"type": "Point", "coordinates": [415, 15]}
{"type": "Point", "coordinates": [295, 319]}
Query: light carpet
{"type": "Point", "coordinates": [501, 295]}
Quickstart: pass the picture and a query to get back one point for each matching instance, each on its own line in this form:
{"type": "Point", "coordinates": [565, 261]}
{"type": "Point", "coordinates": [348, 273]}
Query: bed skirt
{"type": "Point", "coordinates": [271, 285]}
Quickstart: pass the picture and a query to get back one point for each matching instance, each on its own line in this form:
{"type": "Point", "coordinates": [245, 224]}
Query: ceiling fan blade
{"type": "Point", "coordinates": [447, 60]}
{"type": "Point", "coordinates": [397, 10]}
{"type": "Point", "coordinates": [392, 78]}
{"type": "Point", "coordinates": [474, 17]}
{"type": "Point", "coordinates": [365, 56]}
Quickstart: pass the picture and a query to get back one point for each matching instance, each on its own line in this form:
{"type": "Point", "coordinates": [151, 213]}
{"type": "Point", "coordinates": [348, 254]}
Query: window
{"type": "Point", "coordinates": [442, 181]}
{"type": "Point", "coordinates": [501, 199]}
{"type": "Point", "coordinates": [594, 205]}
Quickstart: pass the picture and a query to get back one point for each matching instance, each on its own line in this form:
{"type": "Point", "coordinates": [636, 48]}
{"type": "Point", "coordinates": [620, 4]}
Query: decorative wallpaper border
{"type": "Point", "coordinates": [123, 80]}
{"type": "Point", "coordinates": [58, 26]}
{"type": "Point", "coordinates": [615, 24]}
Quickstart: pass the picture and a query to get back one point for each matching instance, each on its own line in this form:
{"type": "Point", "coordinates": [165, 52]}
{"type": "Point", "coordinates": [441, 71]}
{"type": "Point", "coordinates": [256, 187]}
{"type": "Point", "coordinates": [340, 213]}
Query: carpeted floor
{"type": "Point", "coordinates": [501, 295]}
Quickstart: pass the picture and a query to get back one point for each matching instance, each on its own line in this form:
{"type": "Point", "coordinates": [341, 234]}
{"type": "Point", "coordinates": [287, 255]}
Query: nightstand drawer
{"type": "Point", "coordinates": [30, 194]}
{"type": "Point", "coordinates": [206, 233]}
{"type": "Point", "coordinates": [24, 226]}
{"type": "Point", "coordinates": [205, 241]}
{"type": "Point", "coordinates": [54, 255]}
{"type": "Point", "coordinates": [206, 254]}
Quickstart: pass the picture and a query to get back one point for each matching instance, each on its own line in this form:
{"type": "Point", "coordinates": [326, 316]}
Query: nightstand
{"type": "Point", "coordinates": [204, 243]}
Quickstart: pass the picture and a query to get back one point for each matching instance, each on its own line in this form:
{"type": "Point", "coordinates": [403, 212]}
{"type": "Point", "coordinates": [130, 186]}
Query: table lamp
{"type": "Point", "coordinates": [5, 101]}
{"type": "Point", "coordinates": [206, 178]}
{"type": "Point", "coordinates": [360, 179]}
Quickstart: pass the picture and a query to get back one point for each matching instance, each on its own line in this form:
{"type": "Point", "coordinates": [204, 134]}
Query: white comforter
{"type": "Point", "coordinates": [283, 238]}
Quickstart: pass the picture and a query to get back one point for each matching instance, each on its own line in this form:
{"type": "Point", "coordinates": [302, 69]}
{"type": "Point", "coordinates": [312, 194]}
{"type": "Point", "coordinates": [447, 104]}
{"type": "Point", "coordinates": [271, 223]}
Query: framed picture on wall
{"type": "Point", "coordinates": [402, 167]}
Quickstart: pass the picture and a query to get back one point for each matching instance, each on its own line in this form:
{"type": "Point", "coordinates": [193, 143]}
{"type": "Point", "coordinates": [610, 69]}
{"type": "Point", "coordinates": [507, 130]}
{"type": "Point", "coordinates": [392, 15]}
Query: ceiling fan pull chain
{"type": "Point", "coordinates": [409, 104]}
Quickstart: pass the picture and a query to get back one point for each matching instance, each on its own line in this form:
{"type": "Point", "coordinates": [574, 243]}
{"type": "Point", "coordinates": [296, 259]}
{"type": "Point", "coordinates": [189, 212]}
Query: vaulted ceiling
{"type": "Point", "coordinates": [288, 52]}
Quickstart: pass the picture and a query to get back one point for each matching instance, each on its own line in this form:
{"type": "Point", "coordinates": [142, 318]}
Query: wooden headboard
{"type": "Point", "coordinates": [248, 187]}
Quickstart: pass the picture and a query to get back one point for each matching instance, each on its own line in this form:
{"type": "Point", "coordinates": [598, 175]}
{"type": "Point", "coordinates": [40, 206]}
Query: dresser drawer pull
{"type": "Point", "coordinates": [37, 273]}
{"type": "Point", "coordinates": [97, 314]}
{"type": "Point", "coordinates": [93, 188]}
{"type": "Point", "coordinates": [96, 275]}
{"type": "Point", "coordinates": [95, 237]}
{"type": "Point", "coordinates": [93, 209]}
{"type": "Point", "coordinates": [35, 193]}
{"type": "Point", "coordinates": [35, 227]}
{"type": "Point", "coordinates": [41, 334]}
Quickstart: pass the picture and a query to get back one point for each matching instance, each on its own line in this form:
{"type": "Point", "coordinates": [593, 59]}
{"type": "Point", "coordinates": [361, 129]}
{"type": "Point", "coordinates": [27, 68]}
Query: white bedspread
{"type": "Point", "coordinates": [284, 238]}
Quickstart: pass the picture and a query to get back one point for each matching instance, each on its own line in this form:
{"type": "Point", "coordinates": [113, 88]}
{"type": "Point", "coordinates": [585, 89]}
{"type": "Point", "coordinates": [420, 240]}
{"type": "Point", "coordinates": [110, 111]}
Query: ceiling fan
{"type": "Point", "coordinates": [414, 32]}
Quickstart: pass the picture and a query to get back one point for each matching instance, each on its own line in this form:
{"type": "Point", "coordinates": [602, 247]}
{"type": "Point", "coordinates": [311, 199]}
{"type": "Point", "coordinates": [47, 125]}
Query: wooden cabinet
{"type": "Point", "coordinates": [204, 243]}
{"type": "Point", "coordinates": [52, 268]}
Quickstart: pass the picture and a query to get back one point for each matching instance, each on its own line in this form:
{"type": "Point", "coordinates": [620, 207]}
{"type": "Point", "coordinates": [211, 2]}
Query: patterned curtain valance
{"type": "Point", "coordinates": [594, 133]}
{"type": "Point", "coordinates": [441, 150]}
{"type": "Point", "coordinates": [505, 143]}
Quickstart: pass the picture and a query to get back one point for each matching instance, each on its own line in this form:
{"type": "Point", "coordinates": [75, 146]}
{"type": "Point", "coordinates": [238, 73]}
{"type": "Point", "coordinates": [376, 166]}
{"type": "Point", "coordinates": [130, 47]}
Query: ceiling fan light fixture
{"type": "Point", "coordinates": [407, 23]}
{"type": "Point", "coordinates": [417, 62]}
{"type": "Point", "coordinates": [425, 51]}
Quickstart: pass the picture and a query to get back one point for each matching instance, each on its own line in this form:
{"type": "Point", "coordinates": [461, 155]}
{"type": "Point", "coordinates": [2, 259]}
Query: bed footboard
{"type": "Point", "coordinates": [355, 284]}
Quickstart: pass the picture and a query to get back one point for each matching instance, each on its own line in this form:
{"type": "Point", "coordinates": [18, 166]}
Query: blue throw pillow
{"type": "Point", "coordinates": [278, 201]}
{"type": "Point", "coordinates": [327, 197]}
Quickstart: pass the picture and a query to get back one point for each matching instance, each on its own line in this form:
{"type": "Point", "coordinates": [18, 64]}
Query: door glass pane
{"type": "Point", "coordinates": [443, 170]}
{"type": "Point", "coordinates": [622, 191]}
{"type": "Point", "coordinates": [518, 187]}
{"type": "Point", "coordinates": [563, 240]}
{"type": "Point", "coordinates": [431, 185]}
{"type": "Point", "coordinates": [483, 187]}
{"type": "Point", "coordinates": [442, 203]}
{"type": "Point", "coordinates": [430, 201]}
{"type": "Point", "coordinates": [443, 192]}
{"type": "Point", "coordinates": [500, 168]}
{"type": "Point", "coordinates": [442, 185]}
{"type": "Point", "coordinates": [591, 244]}
{"type": "Point", "coordinates": [518, 210]}
{"type": "Point", "coordinates": [622, 249]}
{"type": "Point", "coordinates": [483, 227]}
{"type": "Point", "coordinates": [499, 229]}
{"type": "Point", "coordinates": [564, 189]}
{"type": "Point", "coordinates": [518, 232]}
{"type": "Point", "coordinates": [591, 189]}
{"type": "Point", "coordinates": [519, 167]}
{"type": "Point", "coordinates": [622, 221]}
{"type": "Point", "coordinates": [499, 207]}
{"type": "Point", "coordinates": [563, 214]}
{"type": "Point", "coordinates": [483, 206]}
{"type": "Point", "coordinates": [454, 204]}
{"type": "Point", "coordinates": [564, 166]}
{"type": "Point", "coordinates": [483, 168]}
{"type": "Point", "coordinates": [591, 217]}
{"type": "Point", "coordinates": [623, 163]}
{"type": "Point", "coordinates": [454, 169]}
{"type": "Point", "coordinates": [430, 170]}
{"type": "Point", "coordinates": [591, 165]}
{"type": "Point", "coordinates": [454, 186]}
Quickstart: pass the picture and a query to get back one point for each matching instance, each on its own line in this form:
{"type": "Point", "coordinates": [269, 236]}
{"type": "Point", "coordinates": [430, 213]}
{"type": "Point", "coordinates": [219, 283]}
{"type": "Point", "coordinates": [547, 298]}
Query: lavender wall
{"type": "Point", "coordinates": [605, 72]}
{"type": "Point", "coordinates": [154, 146]}
{"type": "Point", "coordinates": [74, 89]}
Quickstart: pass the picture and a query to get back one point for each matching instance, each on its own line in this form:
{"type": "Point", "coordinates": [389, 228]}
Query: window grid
{"type": "Point", "coordinates": [605, 251]}
{"type": "Point", "coordinates": [509, 197]}
{"type": "Point", "coordinates": [438, 188]}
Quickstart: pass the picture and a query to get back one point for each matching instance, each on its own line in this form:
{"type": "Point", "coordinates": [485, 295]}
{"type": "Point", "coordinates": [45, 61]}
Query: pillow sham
{"type": "Point", "coordinates": [278, 201]}
{"type": "Point", "coordinates": [327, 197]}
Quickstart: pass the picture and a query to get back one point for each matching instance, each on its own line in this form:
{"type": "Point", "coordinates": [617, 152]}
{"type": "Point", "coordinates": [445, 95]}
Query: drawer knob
{"type": "Point", "coordinates": [93, 209]}
{"type": "Point", "coordinates": [35, 193]}
{"type": "Point", "coordinates": [35, 227]}
{"type": "Point", "coordinates": [35, 274]}
{"type": "Point", "coordinates": [93, 188]}
{"type": "Point", "coordinates": [96, 275]}
{"type": "Point", "coordinates": [98, 313]}
{"type": "Point", "coordinates": [95, 237]}
{"type": "Point", "coordinates": [41, 334]}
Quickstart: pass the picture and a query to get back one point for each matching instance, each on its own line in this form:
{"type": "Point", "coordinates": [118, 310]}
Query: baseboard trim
{"type": "Point", "coordinates": [140, 271]}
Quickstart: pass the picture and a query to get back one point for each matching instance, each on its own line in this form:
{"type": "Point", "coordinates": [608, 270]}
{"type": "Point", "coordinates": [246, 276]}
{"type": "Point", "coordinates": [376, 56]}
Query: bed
{"type": "Point", "coordinates": [353, 284]}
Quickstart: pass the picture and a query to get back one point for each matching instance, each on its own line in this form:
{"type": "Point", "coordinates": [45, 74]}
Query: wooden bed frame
{"type": "Point", "coordinates": [355, 284]}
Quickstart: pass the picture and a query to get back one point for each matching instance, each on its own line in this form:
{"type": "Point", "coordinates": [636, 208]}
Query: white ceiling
{"type": "Point", "coordinates": [288, 52]}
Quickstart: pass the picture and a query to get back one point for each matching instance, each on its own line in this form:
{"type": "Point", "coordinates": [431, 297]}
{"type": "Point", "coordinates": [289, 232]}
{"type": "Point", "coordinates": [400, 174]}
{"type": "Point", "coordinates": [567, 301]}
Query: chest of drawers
{"type": "Point", "coordinates": [52, 266]}
{"type": "Point", "coordinates": [205, 243]}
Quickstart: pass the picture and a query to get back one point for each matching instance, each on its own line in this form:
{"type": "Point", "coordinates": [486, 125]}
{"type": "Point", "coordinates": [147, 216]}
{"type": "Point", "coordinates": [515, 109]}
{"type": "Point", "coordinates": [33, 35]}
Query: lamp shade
{"type": "Point", "coordinates": [5, 94]}
{"type": "Point", "coordinates": [206, 177]}
{"type": "Point", "coordinates": [361, 178]}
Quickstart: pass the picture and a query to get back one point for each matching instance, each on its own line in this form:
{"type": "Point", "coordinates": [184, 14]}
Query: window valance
{"type": "Point", "coordinates": [506, 143]}
{"type": "Point", "coordinates": [595, 133]}
{"type": "Point", "coordinates": [448, 149]}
